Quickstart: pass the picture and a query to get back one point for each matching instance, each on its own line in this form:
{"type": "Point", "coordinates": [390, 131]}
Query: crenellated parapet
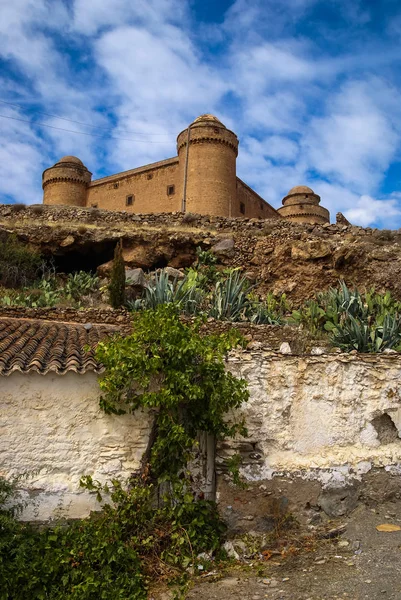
{"type": "Point", "coordinates": [207, 129]}
{"type": "Point", "coordinates": [66, 182]}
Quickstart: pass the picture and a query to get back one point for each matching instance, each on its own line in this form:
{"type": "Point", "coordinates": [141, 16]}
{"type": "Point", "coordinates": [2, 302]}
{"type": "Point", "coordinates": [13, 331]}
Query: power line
{"type": "Point", "coordinates": [113, 137]}
{"type": "Point", "coordinates": [77, 122]}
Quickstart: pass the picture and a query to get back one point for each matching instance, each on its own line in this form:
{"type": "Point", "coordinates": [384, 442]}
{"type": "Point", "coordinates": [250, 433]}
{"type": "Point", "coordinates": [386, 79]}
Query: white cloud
{"type": "Point", "coordinates": [161, 85]}
{"type": "Point", "coordinates": [275, 147]}
{"type": "Point", "coordinates": [355, 141]}
{"type": "Point", "coordinates": [367, 210]}
{"type": "Point", "coordinates": [21, 160]}
{"type": "Point", "coordinates": [91, 17]}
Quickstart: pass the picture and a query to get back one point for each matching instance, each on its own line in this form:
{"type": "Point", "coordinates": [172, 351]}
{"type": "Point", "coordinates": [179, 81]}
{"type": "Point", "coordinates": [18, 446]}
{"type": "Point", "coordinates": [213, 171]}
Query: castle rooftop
{"type": "Point", "coordinates": [70, 159]}
{"type": "Point", "coordinates": [207, 119]}
{"type": "Point", "coordinates": [300, 189]}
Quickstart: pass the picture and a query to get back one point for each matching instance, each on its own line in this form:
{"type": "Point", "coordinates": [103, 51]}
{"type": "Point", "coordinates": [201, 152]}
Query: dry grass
{"type": "Point", "coordinates": [71, 227]}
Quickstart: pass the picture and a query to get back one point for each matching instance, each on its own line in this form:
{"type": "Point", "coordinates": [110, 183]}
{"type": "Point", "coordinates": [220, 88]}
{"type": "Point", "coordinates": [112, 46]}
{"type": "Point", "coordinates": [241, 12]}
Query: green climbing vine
{"type": "Point", "coordinates": [168, 367]}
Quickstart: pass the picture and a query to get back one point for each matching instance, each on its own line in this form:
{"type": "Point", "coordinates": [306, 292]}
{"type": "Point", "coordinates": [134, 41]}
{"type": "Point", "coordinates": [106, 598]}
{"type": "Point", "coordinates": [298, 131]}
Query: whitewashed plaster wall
{"type": "Point", "coordinates": [312, 415]}
{"type": "Point", "coordinates": [52, 430]}
{"type": "Point", "coordinates": [307, 415]}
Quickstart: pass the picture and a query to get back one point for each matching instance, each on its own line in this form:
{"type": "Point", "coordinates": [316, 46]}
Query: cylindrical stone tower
{"type": "Point", "coordinates": [301, 205]}
{"type": "Point", "coordinates": [65, 183]}
{"type": "Point", "coordinates": [207, 171]}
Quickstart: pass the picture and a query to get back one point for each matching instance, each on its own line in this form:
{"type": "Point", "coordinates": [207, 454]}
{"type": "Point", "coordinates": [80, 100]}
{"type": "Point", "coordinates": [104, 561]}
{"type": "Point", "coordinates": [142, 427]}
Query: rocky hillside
{"type": "Point", "coordinates": [278, 255]}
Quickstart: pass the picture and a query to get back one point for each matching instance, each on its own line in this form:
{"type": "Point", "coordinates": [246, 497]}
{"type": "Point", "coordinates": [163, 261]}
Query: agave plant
{"type": "Point", "coordinates": [363, 336]}
{"type": "Point", "coordinates": [184, 294]}
{"type": "Point", "coordinates": [337, 302]}
{"type": "Point", "coordinates": [230, 299]}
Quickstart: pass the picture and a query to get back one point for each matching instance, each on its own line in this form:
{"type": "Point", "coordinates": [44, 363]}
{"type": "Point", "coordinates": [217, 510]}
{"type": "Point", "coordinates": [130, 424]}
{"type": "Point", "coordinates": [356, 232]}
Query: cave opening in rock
{"type": "Point", "coordinates": [159, 263]}
{"type": "Point", "coordinates": [85, 258]}
{"type": "Point", "coordinates": [387, 432]}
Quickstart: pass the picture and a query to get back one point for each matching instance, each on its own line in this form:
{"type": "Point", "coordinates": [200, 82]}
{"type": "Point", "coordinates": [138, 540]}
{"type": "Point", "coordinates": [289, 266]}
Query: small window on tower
{"type": "Point", "coordinates": [116, 186]}
{"type": "Point", "coordinates": [170, 190]}
{"type": "Point", "coordinates": [129, 201]}
{"type": "Point", "coordinates": [242, 208]}
{"type": "Point", "coordinates": [150, 176]}
{"type": "Point", "coordinates": [94, 205]}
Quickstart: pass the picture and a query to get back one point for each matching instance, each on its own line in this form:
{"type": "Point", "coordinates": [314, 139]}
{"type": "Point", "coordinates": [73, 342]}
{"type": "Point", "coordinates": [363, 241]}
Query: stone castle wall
{"type": "Point", "coordinates": [306, 213]}
{"type": "Point", "coordinates": [71, 193]}
{"type": "Point", "coordinates": [211, 173]}
{"type": "Point", "coordinates": [215, 190]}
{"type": "Point", "coordinates": [149, 188]}
{"type": "Point", "coordinates": [255, 206]}
{"type": "Point", "coordinates": [207, 173]}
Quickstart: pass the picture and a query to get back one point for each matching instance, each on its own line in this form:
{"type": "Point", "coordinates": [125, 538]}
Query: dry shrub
{"type": "Point", "coordinates": [38, 209]}
{"type": "Point", "coordinates": [18, 207]}
{"type": "Point", "coordinates": [93, 214]}
{"type": "Point", "coordinates": [189, 218]}
{"type": "Point", "coordinates": [19, 263]}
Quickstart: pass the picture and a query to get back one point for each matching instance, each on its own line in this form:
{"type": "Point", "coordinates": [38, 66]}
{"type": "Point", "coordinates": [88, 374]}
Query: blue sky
{"type": "Point", "coordinates": [311, 87]}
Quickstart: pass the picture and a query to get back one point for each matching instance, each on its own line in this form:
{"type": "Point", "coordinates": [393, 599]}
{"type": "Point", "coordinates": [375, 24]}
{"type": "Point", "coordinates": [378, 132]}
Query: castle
{"type": "Point", "coordinates": [200, 179]}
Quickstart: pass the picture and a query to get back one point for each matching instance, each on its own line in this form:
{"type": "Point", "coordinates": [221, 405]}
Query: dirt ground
{"type": "Point", "coordinates": [362, 563]}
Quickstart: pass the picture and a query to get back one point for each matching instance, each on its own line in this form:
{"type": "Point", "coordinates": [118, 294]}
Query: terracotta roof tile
{"type": "Point", "coordinates": [42, 346]}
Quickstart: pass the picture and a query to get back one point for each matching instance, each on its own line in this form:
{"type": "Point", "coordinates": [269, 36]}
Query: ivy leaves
{"type": "Point", "coordinates": [167, 366]}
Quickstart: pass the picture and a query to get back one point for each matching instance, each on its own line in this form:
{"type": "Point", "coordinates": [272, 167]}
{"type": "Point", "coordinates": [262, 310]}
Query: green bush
{"type": "Point", "coordinates": [19, 263]}
{"type": "Point", "coordinates": [80, 284]}
{"type": "Point", "coordinates": [193, 391]}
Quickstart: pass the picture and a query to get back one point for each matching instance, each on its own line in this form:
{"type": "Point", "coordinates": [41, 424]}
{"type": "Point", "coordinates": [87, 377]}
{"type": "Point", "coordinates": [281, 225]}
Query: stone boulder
{"type": "Point", "coordinates": [224, 247]}
{"type": "Point", "coordinates": [174, 273]}
{"type": "Point", "coordinates": [310, 250]}
{"type": "Point", "coordinates": [147, 256]}
{"type": "Point", "coordinates": [135, 278]}
{"type": "Point", "coordinates": [104, 270]}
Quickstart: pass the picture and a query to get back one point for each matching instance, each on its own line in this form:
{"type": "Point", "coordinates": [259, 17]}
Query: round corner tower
{"type": "Point", "coordinates": [66, 182]}
{"type": "Point", "coordinates": [301, 205]}
{"type": "Point", "coordinates": [207, 153]}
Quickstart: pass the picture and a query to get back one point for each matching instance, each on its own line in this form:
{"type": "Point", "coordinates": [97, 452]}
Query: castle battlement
{"type": "Point", "coordinates": [201, 179]}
